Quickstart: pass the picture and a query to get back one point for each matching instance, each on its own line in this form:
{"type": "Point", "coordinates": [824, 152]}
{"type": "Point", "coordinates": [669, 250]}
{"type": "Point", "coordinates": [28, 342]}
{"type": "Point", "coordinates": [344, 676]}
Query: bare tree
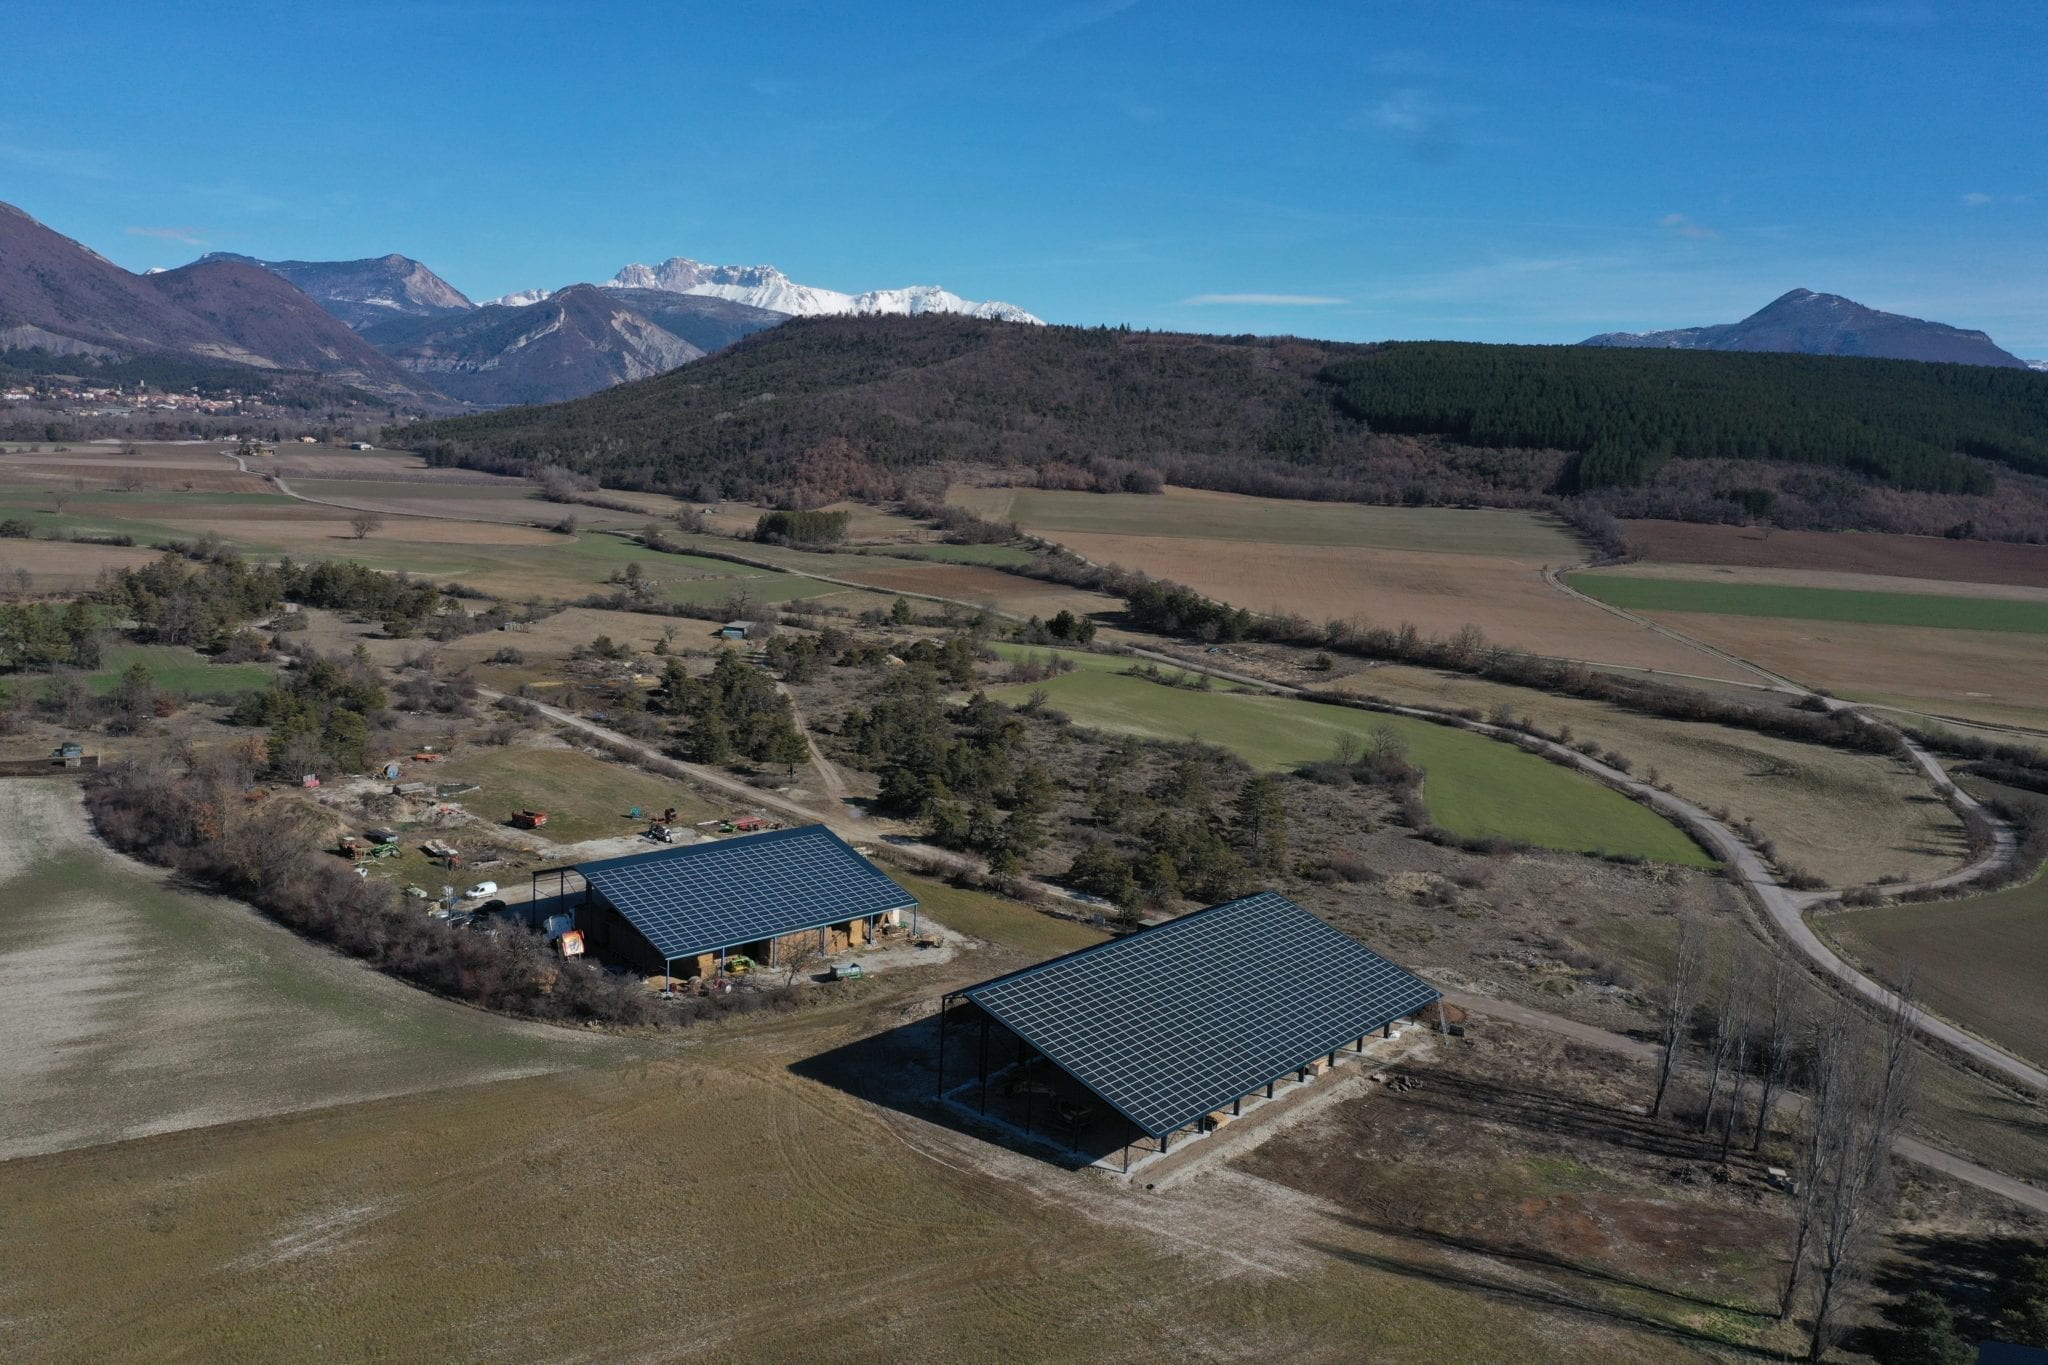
{"type": "Point", "coordinates": [1830, 1048]}
{"type": "Point", "coordinates": [1731, 1022]}
{"type": "Point", "coordinates": [58, 498]}
{"type": "Point", "coordinates": [1872, 1112]}
{"type": "Point", "coordinates": [1681, 997]}
{"type": "Point", "coordinates": [1777, 1049]}
{"type": "Point", "coordinates": [797, 954]}
{"type": "Point", "coordinates": [1749, 1047]}
{"type": "Point", "coordinates": [362, 523]}
{"type": "Point", "coordinates": [1731, 1032]}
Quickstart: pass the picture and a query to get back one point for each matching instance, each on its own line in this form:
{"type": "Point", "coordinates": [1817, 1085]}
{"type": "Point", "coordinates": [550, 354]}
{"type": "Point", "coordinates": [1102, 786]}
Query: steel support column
{"type": "Point", "coordinates": [984, 1062]}
{"type": "Point", "coordinates": [939, 1087]}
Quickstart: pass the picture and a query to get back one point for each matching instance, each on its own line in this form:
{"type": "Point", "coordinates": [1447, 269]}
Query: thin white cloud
{"type": "Point", "coordinates": [1977, 199]}
{"type": "Point", "coordinates": [1266, 300]}
{"type": "Point", "coordinates": [189, 236]}
{"type": "Point", "coordinates": [1682, 226]}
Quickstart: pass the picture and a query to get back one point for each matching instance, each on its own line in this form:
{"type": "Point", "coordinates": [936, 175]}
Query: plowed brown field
{"type": "Point", "coordinates": [1965, 561]}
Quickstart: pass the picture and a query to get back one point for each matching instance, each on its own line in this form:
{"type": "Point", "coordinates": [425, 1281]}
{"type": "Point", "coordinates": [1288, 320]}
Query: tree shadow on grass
{"type": "Point", "coordinates": [1559, 1115]}
{"type": "Point", "coordinates": [1544, 1260]}
{"type": "Point", "coordinates": [1538, 1296]}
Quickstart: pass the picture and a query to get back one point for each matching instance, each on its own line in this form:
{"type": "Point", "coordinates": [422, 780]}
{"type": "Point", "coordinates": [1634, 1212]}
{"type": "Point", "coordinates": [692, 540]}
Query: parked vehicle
{"type": "Point", "coordinates": [480, 890]}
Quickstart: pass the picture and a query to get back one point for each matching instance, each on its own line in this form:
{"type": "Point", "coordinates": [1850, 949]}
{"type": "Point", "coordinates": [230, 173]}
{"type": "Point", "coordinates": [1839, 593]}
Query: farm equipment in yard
{"type": "Point", "coordinates": [529, 819]}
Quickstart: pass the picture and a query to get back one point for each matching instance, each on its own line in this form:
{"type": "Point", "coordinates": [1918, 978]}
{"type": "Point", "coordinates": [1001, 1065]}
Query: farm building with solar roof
{"type": "Point", "coordinates": [1181, 1027]}
{"type": "Point", "coordinates": [685, 911]}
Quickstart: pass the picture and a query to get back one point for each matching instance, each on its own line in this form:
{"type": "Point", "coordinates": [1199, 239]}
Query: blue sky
{"type": "Point", "coordinates": [1515, 172]}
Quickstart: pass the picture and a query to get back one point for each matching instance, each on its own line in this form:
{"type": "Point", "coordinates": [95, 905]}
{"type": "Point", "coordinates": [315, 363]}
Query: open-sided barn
{"type": "Point", "coordinates": [684, 911]}
{"type": "Point", "coordinates": [1179, 1025]}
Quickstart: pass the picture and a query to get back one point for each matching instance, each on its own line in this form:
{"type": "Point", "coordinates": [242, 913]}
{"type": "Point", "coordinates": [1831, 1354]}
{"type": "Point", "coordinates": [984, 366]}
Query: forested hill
{"type": "Point", "coordinates": [1902, 423]}
{"type": "Point", "coordinates": [847, 406]}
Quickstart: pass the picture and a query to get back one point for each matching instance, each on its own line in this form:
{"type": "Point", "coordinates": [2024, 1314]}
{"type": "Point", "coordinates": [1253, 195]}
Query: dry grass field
{"type": "Point", "coordinates": [1848, 818]}
{"type": "Point", "coordinates": [1858, 552]}
{"type": "Point", "coordinates": [1925, 667]}
{"type": "Point", "coordinates": [564, 1216]}
{"type": "Point", "coordinates": [58, 566]}
{"type": "Point", "coordinates": [1440, 569]}
{"type": "Point", "coordinates": [1198, 514]}
{"type": "Point", "coordinates": [973, 583]}
{"type": "Point", "coordinates": [1979, 961]}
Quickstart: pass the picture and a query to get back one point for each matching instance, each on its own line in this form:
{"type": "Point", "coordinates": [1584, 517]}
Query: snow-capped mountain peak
{"type": "Point", "coordinates": [525, 298]}
{"type": "Point", "coordinates": [2037, 364]}
{"type": "Point", "coordinates": [763, 286]}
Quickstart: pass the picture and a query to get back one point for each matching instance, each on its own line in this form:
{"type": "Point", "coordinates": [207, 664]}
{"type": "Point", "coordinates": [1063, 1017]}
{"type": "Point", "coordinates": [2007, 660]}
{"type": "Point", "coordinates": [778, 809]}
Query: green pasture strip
{"type": "Point", "coordinates": [1815, 604]}
{"type": "Point", "coordinates": [185, 672]}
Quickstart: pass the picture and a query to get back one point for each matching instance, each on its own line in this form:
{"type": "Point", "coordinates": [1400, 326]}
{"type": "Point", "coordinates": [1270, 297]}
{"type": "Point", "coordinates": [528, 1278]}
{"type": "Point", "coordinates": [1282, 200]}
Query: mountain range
{"type": "Point", "coordinates": [394, 328]}
{"type": "Point", "coordinates": [763, 286]}
{"type": "Point", "coordinates": [64, 299]}
{"type": "Point", "coordinates": [363, 293]}
{"type": "Point", "coordinates": [1807, 323]}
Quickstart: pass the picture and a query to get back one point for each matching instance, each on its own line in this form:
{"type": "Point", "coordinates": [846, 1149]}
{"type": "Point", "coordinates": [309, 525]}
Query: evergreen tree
{"type": "Point", "coordinates": [1259, 823]}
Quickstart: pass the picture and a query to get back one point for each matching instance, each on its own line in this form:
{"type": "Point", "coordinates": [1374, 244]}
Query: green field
{"type": "Point", "coordinates": [1227, 516]}
{"type": "Point", "coordinates": [185, 672]}
{"type": "Point", "coordinates": [1815, 604]}
{"type": "Point", "coordinates": [1475, 787]}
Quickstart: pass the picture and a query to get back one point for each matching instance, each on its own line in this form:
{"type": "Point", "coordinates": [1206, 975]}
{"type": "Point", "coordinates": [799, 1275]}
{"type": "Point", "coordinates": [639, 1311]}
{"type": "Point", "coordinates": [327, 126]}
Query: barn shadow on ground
{"type": "Point", "coordinates": [1032, 1108]}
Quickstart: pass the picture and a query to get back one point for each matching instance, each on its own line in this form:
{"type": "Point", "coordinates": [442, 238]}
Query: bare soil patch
{"type": "Point", "coordinates": [1862, 552]}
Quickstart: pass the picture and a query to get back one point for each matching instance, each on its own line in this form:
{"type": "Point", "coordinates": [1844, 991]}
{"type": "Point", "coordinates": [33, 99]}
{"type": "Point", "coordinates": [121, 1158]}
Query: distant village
{"type": "Point", "coordinates": [77, 399]}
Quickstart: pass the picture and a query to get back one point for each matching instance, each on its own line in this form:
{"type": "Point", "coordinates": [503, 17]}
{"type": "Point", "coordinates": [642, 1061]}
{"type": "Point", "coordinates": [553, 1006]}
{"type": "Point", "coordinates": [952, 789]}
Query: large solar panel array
{"type": "Point", "coordinates": [734, 891]}
{"type": "Point", "coordinates": [1178, 1020]}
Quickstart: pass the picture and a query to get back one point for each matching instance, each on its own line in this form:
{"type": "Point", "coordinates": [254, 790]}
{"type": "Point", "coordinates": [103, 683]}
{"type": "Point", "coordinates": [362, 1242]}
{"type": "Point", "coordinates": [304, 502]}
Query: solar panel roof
{"type": "Point", "coordinates": [1178, 1020]}
{"type": "Point", "coordinates": [721, 894]}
